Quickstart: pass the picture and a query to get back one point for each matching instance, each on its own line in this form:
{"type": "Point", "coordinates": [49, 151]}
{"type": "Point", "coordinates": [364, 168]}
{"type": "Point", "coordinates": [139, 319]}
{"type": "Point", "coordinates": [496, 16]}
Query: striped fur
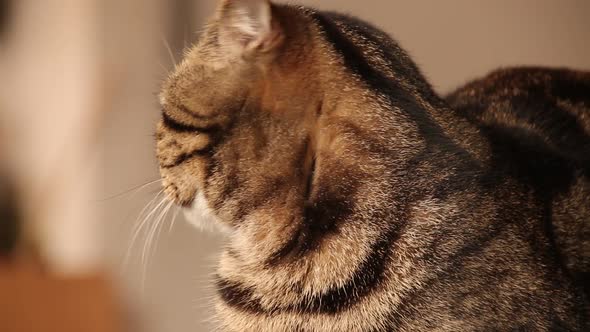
{"type": "Point", "coordinates": [356, 198]}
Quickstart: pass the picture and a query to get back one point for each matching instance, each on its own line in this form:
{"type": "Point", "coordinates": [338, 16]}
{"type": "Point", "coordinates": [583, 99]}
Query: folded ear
{"type": "Point", "coordinates": [247, 25]}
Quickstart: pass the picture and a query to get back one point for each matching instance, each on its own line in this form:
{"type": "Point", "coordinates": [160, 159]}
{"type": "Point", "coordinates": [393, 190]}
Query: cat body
{"type": "Point", "coordinates": [537, 122]}
{"type": "Point", "coordinates": [356, 198]}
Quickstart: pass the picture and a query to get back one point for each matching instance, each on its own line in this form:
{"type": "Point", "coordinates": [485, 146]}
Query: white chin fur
{"type": "Point", "coordinates": [202, 216]}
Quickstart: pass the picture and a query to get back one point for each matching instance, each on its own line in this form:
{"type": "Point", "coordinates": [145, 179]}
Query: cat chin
{"type": "Point", "coordinates": [200, 215]}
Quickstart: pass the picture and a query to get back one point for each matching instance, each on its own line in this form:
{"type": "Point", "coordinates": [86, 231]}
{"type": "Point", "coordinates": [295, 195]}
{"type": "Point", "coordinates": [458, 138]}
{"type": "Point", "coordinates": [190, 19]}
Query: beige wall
{"type": "Point", "coordinates": [452, 41]}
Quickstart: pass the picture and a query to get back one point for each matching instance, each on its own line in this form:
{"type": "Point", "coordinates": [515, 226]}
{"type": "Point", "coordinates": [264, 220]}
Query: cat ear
{"type": "Point", "coordinates": [247, 26]}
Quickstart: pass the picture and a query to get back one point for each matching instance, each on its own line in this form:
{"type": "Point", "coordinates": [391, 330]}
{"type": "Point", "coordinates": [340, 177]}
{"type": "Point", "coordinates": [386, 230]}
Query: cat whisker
{"type": "Point", "coordinates": [152, 222]}
{"type": "Point", "coordinates": [173, 220]}
{"type": "Point", "coordinates": [146, 253]}
{"type": "Point", "coordinates": [184, 39]}
{"type": "Point", "coordinates": [133, 191]}
{"type": "Point", "coordinates": [140, 222]}
{"type": "Point", "coordinates": [169, 49]}
{"type": "Point", "coordinates": [149, 220]}
{"type": "Point", "coordinates": [160, 225]}
{"type": "Point", "coordinates": [165, 70]}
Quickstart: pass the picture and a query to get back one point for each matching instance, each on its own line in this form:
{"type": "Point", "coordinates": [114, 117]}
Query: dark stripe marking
{"type": "Point", "coordinates": [196, 116]}
{"type": "Point", "coordinates": [355, 61]}
{"type": "Point", "coordinates": [179, 127]}
{"type": "Point", "coordinates": [321, 218]}
{"type": "Point", "coordinates": [325, 208]}
{"type": "Point", "coordinates": [237, 296]}
{"type": "Point", "coordinates": [368, 276]}
{"type": "Point", "coordinates": [183, 158]}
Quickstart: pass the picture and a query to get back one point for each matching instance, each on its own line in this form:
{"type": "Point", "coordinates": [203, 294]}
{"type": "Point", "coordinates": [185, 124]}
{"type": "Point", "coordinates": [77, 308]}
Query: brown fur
{"type": "Point", "coordinates": [357, 199]}
{"type": "Point", "coordinates": [547, 112]}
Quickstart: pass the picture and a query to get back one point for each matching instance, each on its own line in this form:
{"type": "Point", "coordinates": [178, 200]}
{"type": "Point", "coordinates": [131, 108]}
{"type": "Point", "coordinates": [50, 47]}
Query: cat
{"type": "Point", "coordinates": [357, 199]}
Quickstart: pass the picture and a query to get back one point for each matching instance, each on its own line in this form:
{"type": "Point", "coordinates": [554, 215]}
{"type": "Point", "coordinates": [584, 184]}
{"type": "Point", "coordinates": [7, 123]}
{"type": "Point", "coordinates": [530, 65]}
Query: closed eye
{"type": "Point", "coordinates": [179, 127]}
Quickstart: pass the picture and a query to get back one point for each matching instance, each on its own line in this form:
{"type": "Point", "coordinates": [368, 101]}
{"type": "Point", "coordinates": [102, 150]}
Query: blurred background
{"type": "Point", "coordinates": [78, 104]}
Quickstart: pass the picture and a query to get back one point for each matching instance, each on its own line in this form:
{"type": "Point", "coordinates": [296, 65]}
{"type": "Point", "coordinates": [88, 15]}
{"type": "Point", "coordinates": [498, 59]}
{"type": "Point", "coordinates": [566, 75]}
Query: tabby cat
{"type": "Point", "coordinates": [357, 199]}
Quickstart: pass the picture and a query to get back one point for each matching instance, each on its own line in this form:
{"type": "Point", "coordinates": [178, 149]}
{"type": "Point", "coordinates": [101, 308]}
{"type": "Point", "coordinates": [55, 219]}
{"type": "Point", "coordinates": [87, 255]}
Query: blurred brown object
{"type": "Point", "coordinates": [4, 14]}
{"type": "Point", "coordinates": [9, 217]}
{"type": "Point", "coordinates": [51, 274]}
{"type": "Point", "coordinates": [32, 301]}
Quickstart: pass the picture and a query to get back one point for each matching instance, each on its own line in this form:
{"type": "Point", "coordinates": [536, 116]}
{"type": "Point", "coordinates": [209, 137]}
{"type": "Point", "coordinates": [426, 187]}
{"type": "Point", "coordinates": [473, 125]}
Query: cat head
{"type": "Point", "coordinates": [260, 113]}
